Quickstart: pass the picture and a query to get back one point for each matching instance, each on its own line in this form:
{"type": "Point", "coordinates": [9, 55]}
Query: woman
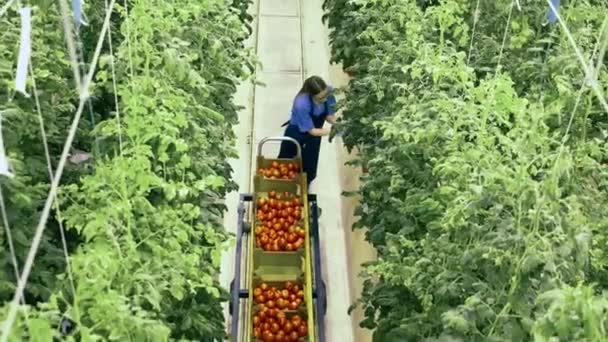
{"type": "Point", "coordinates": [312, 106]}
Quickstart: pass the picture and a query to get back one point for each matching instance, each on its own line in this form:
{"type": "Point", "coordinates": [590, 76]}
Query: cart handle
{"type": "Point", "coordinates": [276, 139]}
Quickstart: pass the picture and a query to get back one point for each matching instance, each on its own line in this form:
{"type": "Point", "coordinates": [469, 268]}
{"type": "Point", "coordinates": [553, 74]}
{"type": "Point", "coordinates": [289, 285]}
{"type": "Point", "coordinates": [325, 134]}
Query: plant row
{"type": "Point", "coordinates": [143, 216]}
{"type": "Point", "coordinates": [486, 151]}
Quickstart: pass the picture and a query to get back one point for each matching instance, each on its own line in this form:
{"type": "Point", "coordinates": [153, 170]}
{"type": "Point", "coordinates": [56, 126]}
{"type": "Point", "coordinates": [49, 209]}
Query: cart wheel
{"type": "Point", "coordinates": [231, 294]}
{"type": "Point", "coordinates": [246, 227]}
{"type": "Point", "coordinates": [324, 303]}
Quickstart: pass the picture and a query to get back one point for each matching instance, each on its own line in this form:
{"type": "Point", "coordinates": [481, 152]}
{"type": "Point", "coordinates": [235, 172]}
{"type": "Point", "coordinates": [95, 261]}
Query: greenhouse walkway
{"type": "Point", "coordinates": [292, 44]}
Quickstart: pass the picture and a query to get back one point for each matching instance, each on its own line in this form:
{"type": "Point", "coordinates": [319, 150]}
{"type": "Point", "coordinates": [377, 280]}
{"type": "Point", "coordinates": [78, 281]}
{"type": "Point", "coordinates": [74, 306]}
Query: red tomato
{"type": "Point", "coordinates": [260, 299]}
{"type": "Point", "coordinates": [293, 305]}
{"type": "Point", "coordinates": [274, 328]}
{"type": "Point", "coordinates": [288, 327]}
{"type": "Point", "coordinates": [270, 304]}
{"type": "Point", "coordinates": [294, 336]}
{"type": "Point", "coordinates": [285, 293]}
{"type": "Point", "coordinates": [297, 245]}
{"type": "Point", "coordinates": [296, 320]}
{"type": "Point", "coordinates": [302, 330]}
{"type": "Point", "coordinates": [300, 294]}
{"type": "Point", "coordinates": [276, 312]}
{"type": "Point", "coordinates": [291, 238]}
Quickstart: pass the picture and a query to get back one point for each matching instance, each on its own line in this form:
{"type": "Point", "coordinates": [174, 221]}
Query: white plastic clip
{"type": "Point", "coordinates": [4, 165]}
{"type": "Point", "coordinates": [24, 50]}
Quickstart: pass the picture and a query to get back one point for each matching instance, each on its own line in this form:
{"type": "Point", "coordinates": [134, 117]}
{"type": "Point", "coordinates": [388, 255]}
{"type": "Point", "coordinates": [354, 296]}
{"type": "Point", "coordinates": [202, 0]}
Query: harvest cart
{"type": "Point", "coordinates": [254, 265]}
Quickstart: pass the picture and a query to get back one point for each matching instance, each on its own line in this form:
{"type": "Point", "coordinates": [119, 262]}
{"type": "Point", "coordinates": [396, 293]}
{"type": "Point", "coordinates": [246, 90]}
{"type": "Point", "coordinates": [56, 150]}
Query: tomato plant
{"type": "Point", "coordinates": [146, 215]}
{"type": "Point", "coordinates": [486, 166]}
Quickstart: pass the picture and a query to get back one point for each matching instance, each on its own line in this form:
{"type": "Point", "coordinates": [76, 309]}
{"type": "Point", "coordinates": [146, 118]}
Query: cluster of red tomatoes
{"type": "Point", "coordinates": [277, 218]}
{"type": "Point", "coordinates": [280, 171]}
{"type": "Point", "coordinates": [271, 323]}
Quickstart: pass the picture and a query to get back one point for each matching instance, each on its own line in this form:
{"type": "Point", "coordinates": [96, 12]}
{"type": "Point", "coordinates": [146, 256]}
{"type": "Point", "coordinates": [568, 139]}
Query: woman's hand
{"type": "Point", "coordinates": [331, 119]}
{"type": "Point", "coordinates": [319, 132]}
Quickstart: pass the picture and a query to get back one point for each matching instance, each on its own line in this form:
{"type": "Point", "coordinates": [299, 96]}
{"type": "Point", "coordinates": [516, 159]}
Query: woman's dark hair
{"type": "Point", "coordinates": [313, 86]}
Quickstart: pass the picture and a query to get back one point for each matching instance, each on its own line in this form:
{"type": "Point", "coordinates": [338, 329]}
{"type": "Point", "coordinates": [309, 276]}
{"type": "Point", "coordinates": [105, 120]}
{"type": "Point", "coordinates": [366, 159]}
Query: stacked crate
{"type": "Point", "coordinates": [276, 259]}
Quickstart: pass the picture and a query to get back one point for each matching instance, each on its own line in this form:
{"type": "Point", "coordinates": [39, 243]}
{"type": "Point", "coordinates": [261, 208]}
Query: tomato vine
{"type": "Point", "coordinates": [145, 216]}
{"type": "Point", "coordinates": [483, 197]}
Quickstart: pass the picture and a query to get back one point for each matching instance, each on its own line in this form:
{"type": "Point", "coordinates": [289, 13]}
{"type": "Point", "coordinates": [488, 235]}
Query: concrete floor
{"type": "Point", "coordinates": [292, 45]}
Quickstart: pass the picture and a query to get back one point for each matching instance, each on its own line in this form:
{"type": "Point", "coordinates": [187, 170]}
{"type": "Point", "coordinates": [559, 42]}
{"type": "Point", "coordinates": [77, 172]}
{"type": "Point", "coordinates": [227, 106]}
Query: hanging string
{"type": "Point", "coordinates": [504, 38]}
{"type": "Point", "coordinates": [6, 7]}
{"type": "Point", "coordinates": [82, 66]}
{"type": "Point", "coordinates": [9, 237]}
{"type": "Point", "coordinates": [50, 170]}
{"type": "Point", "coordinates": [115, 88]}
{"type": "Point", "coordinates": [594, 86]}
{"type": "Point", "coordinates": [69, 38]}
{"type": "Point", "coordinates": [552, 15]}
{"type": "Point", "coordinates": [11, 315]}
{"type": "Point", "coordinates": [475, 20]}
{"type": "Point", "coordinates": [128, 25]}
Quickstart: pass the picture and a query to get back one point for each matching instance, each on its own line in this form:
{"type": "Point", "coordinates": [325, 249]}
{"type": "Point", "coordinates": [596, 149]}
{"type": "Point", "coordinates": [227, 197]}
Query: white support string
{"type": "Point", "coordinates": [50, 170]}
{"type": "Point", "coordinates": [594, 86]}
{"type": "Point", "coordinates": [128, 25]}
{"type": "Point", "coordinates": [582, 90]}
{"type": "Point", "coordinates": [11, 247]}
{"type": "Point", "coordinates": [82, 66]}
{"type": "Point", "coordinates": [475, 20]}
{"type": "Point", "coordinates": [9, 238]}
{"type": "Point", "coordinates": [69, 39]}
{"type": "Point", "coordinates": [11, 316]}
{"type": "Point", "coordinates": [118, 123]}
{"type": "Point", "coordinates": [6, 7]}
{"type": "Point", "coordinates": [504, 38]}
